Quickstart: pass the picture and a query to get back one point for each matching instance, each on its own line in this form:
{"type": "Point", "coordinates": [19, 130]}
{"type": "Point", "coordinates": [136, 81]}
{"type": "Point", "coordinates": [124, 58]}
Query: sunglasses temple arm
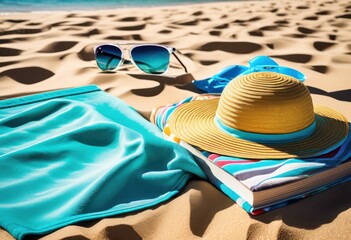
{"type": "Point", "coordinates": [126, 62]}
{"type": "Point", "coordinates": [109, 61]}
{"type": "Point", "coordinates": [174, 51]}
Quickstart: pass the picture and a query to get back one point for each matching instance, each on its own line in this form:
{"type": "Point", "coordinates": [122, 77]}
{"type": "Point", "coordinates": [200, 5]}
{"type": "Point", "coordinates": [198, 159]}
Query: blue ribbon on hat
{"type": "Point", "coordinates": [217, 82]}
{"type": "Point", "coordinates": [266, 137]}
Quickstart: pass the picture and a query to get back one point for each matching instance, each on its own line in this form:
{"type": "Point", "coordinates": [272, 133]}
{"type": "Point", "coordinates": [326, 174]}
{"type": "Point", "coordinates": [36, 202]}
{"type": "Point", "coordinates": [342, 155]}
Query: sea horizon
{"type": "Point", "coordinates": [9, 6]}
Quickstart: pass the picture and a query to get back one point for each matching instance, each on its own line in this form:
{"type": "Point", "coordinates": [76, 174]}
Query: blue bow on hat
{"type": "Point", "coordinates": [217, 82]}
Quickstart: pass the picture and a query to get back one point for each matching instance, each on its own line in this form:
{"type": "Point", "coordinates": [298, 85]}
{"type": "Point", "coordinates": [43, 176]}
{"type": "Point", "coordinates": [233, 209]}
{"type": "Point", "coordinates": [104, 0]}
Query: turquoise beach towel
{"type": "Point", "coordinates": [80, 154]}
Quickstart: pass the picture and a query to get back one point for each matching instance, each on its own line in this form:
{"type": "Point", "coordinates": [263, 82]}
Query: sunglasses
{"type": "Point", "coordinates": [149, 58]}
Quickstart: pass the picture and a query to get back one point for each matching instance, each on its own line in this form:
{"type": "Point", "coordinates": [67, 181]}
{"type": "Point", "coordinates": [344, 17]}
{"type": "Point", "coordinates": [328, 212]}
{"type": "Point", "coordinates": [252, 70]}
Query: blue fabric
{"type": "Point", "coordinates": [79, 154]}
{"type": "Point", "coordinates": [217, 82]}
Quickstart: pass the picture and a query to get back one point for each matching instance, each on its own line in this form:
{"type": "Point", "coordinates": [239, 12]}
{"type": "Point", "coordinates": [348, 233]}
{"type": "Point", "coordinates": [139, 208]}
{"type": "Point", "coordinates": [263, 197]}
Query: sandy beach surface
{"type": "Point", "coordinates": [54, 50]}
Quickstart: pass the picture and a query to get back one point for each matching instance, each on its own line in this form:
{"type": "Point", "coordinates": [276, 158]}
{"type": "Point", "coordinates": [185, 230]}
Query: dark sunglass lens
{"type": "Point", "coordinates": [151, 59]}
{"type": "Point", "coordinates": [108, 57]}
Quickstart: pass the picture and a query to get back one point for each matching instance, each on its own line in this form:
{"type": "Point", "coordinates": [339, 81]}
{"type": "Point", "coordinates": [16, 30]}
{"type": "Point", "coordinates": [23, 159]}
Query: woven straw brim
{"type": "Point", "coordinates": [194, 123]}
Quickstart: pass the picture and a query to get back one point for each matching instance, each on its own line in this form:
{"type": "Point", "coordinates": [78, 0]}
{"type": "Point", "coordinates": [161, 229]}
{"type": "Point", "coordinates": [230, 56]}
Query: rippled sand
{"type": "Point", "coordinates": [47, 51]}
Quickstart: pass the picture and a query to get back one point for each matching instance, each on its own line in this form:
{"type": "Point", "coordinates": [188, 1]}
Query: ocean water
{"type": "Point", "coordinates": [73, 5]}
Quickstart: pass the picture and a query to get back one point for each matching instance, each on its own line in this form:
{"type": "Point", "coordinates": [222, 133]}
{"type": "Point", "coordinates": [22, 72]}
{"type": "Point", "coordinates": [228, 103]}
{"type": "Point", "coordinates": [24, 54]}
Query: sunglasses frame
{"type": "Point", "coordinates": [170, 50]}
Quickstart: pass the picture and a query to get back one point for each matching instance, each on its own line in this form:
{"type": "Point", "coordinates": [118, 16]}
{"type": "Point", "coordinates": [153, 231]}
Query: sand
{"type": "Point", "coordinates": [53, 50]}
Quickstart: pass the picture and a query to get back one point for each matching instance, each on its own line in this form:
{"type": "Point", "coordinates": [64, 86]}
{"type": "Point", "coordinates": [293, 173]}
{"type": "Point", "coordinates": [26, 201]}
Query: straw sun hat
{"type": "Point", "coordinates": [263, 115]}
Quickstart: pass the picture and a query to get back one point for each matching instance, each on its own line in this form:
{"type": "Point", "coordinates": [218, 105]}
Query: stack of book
{"type": "Point", "coordinates": [262, 185]}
